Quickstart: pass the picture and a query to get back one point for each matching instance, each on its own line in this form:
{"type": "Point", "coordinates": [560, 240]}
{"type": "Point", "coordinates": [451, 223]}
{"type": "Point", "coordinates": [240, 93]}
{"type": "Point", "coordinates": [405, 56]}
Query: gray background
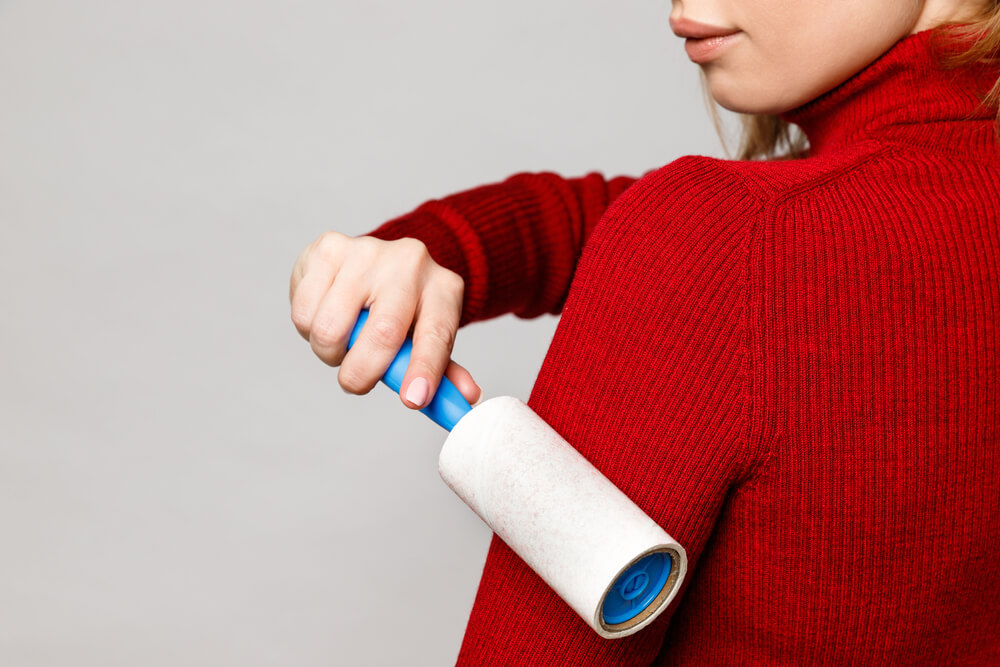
{"type": "Point", "coordinates": [181, 480]}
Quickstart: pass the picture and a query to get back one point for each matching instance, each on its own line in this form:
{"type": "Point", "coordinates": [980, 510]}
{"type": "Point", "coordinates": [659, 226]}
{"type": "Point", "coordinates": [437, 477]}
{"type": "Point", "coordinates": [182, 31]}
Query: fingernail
{"type": "Point", "coordinates": [417, 392]}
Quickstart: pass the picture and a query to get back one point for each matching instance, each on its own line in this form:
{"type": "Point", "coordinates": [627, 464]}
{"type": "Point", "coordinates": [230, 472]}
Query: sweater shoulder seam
{"type": "Point", "coordinates": [762, 432]}
{"type": "Point", "coordinates": [756, 448]}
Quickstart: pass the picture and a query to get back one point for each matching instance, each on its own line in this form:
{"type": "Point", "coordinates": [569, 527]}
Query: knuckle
{"type": "Point", "coordinates": [330, 237]}
{"type": "Point", "coordinates": [439, 335]}
{"type": "Point", "coordinates": [324, 333]}
{"type": "Point", "coordinates": [413, 245]}
{"type": "Point", "coordinates": [327, 355]}
{"type": "Point", "coordinates": [410, 254]}
{"type": "Point", "coordinates": [352, 380]}
{"type": "Point", "coordinates": [387, 330]}
{"type": "Point", "coordinates": [425, 369]}
{"type": "Point", "coordinates": [361, 251]}
{"type": "Point", "coordinates": [455, 281]}
{"type": "Point", "coordinates": [328, 245]}
{"type": "Point", "coordinates": [300, 318]}
{"type": "Point", "coordinates": [368, 244]}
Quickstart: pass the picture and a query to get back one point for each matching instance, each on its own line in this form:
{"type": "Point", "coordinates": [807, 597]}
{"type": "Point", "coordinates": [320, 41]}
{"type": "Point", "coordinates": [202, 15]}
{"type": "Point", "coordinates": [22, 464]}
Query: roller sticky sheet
{"type": "Point", "coordinates": [612, 564]}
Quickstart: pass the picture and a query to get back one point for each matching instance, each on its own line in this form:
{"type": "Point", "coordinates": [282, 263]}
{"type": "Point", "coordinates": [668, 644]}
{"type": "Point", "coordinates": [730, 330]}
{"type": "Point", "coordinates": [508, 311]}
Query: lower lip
{"type": "Point", "coordinates": [703, 50]}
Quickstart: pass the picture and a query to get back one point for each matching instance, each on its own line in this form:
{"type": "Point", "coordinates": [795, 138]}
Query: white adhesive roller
{"type": "Point", "coordinates": [564, 518]}
{"type": "Point", "coordinates": [612, 564]}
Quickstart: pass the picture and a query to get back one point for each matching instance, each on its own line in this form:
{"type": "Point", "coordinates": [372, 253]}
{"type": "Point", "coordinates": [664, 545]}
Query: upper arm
{"type": "Point", "coordinates": [650, 375]}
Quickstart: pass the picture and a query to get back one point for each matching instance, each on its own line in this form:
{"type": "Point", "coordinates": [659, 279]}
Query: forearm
{"type": "Point", "coordinates": [515, 243]}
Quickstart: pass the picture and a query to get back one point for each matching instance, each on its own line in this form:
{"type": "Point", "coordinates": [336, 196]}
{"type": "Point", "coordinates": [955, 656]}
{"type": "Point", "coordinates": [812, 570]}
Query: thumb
{"type": "Point", "coordinates": [463, 381]}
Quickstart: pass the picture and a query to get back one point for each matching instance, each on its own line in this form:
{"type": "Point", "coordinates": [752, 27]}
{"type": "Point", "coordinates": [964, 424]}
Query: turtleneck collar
{"type": "Point", "coordinates": [906, 96]}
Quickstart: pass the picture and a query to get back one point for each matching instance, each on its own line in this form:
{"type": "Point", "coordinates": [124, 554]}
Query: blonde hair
{"type": "Point", "coordinates": [764, 135]}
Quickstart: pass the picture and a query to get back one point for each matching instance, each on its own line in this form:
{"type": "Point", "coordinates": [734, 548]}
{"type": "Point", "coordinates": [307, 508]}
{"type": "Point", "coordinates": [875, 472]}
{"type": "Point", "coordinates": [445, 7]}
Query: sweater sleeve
{"type": "Point", "coordinates": [515, 243]}
{"type": "Point", "coordinates": [651, 377]}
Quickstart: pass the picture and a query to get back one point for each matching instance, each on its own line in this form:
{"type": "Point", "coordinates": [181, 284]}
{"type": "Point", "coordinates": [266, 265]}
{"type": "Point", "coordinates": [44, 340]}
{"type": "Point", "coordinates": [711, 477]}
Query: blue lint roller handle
{"type": "Point", "coordinates": [447, 405]}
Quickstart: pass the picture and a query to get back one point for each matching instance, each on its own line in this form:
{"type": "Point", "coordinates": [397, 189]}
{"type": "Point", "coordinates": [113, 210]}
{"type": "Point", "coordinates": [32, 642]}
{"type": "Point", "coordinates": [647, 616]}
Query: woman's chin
{"type": "Point", "coordinates": [749, 102]}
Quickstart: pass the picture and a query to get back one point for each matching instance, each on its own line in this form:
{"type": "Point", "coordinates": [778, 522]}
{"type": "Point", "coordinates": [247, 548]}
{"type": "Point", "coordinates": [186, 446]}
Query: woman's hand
{"type": "Point", "coordinates": [336, 276]}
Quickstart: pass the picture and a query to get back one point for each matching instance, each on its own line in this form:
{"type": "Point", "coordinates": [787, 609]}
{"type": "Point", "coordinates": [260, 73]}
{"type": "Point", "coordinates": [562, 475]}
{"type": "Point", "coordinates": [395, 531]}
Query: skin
{"type": "Point", "coordinates": [791, 51]}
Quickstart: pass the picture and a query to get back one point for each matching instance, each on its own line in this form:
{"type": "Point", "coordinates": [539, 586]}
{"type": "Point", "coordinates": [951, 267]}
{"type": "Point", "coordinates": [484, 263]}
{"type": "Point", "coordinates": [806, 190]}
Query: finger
{"type": "Point", "coordinates": [463, 381]}
{"type": "Point", "coordinates": [309, 294]}
{"type": "Point", "coordinates": [378, 343]}
{"type": "Point", "coordinates": [298, 271]}
{"type": "Point", "coordinates": [336, 315]}
{"type": "Point", "coordinates": [433, 339]}
{"type": "Point", "coordinates": [293, 282]}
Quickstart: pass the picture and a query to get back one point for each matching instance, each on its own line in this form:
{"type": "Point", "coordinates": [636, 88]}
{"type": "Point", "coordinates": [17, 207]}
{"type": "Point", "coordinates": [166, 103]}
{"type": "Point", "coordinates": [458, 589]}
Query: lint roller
{"type": "Point", "coordinates": [612, 564]}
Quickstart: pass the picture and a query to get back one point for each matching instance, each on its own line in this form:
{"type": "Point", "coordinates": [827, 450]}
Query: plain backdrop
{"type": "Point", "coordinates": [181, 481]}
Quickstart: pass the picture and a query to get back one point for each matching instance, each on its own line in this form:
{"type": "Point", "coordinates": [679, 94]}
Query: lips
{"type": "Point", "coordinates": [683, 27]}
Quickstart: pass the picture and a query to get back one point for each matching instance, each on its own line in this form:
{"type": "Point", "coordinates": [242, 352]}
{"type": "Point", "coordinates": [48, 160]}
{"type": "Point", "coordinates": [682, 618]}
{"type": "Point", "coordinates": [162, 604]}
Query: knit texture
{"type": "Point", "coordinates": [790, 365]}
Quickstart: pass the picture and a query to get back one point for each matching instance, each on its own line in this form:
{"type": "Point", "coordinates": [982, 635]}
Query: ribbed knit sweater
{"type": "Point", "coordinates": [790, 365]}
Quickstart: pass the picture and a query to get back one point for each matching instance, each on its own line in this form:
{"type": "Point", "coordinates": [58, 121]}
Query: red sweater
{"type": "Point", "coordinates": [792, 366]}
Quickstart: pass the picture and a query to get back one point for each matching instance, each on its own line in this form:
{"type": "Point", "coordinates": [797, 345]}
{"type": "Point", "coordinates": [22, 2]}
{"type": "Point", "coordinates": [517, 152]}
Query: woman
{"type": "Point", "coordinates": [788, 361]}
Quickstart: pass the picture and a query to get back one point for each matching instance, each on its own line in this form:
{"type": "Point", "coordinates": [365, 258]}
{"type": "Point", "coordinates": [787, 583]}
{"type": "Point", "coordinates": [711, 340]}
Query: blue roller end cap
{"type": "Point", "coordinates": [636, 588]}
{"type": "Point", "coordinates": [447, 405]}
